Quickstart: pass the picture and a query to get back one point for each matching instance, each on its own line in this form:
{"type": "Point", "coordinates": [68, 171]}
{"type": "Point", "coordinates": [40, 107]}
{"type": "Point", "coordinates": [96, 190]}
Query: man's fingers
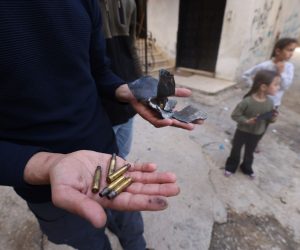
{"type": "Point", "coordinates": [198, 121]}
{"type": "Point", "coordinates": [160, 123]}
{"type": "Point", "coordinates": [156, 121]}
{"type": "Point", "coordinates": [78, 203]}
{"type": "Point", "coordinates": [182, 92]}
{"type": "Point", "coordinates": [138, 202]}
{"type": "Point", "coordinates": [167, 190]}
{"type": "Point", "coordinates": [183, 125]}
{"type": "Point", "coordinates": [153, 178]}
{"type": "Point", "coordinates": [143, 167]}
{"type": "Point", "coordinates": [151, 116]}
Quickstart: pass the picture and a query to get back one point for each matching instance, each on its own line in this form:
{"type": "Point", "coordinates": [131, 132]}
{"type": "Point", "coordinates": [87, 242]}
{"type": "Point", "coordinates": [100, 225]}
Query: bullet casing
{"type": "Point", "coordinates": [118, 173]}
{"type": "Point", "coordinates": [111, 186]}
{"type": "Point", "coordinates": [96, 180]}
{"type": "Point", "coordinates": [118, 189]}
{"type": "Point", "coordinates": [112, 164]}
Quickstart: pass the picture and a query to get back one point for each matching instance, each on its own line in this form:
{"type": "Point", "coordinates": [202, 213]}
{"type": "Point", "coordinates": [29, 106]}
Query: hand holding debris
{"type": "Point", "coordinates": [149, 97]}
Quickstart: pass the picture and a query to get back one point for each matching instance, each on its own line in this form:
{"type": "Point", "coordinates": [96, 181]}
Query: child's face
{"type": "Point", "coordinates": [274, 86]}
{"type": "Point", "coordinates": [286, 53]}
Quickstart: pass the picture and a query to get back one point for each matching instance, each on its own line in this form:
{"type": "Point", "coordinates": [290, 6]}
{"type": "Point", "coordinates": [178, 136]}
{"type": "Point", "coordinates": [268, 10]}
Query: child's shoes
{"type": "Point", "coordinates": [227, 173]}
{"type": "Point", "coordinates": [257, 150]}
{"type": "Point", "coordinates": [252, 176]}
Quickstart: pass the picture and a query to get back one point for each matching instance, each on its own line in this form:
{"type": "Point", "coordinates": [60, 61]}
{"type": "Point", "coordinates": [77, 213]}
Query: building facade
{"type": "Point", "coordinates": [222, 37]}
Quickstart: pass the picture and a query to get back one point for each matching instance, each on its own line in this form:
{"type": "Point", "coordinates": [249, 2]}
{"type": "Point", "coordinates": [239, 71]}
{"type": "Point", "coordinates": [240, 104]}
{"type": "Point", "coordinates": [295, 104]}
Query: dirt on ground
{"type": "Point", "coordinates": [248, 232]}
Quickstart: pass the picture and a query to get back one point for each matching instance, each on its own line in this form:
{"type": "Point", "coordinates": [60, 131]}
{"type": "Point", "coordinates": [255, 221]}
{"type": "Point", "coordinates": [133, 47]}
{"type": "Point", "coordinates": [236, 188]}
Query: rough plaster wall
{"type": "Point", "coordinates": [272, 19]}
{"type": "Point", "coordinates": [163, 19]}
{"type": "Point", "coordinates": [290, 26]}
{"type": "Point", "coordinates": [250, 30]}
{"type": "Point", "coordinates": [253, 31]}
{"type": "Point", "coordinates": [235, 29]}
{"type": "Point", "coordinates": [262, 34]}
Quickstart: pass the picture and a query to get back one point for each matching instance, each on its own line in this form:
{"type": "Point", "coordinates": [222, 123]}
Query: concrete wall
{"type": "Point", "coordinates": [250, 30]}
{"type": "Point", "coordinates": [256, 27]}
{"type": "Point", "coordinates": [163, 19]}
{"type": "Point", "coordinates": [290, 26]}
{"type": "Point", "coordinates": [237, 19]}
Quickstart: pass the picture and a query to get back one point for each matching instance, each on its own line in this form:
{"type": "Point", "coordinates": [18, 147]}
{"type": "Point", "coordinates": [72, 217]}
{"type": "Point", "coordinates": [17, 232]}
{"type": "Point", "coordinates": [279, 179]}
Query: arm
{"type": "Point", "coordinates": [13, 158]}
{"type": "Point", "coordinates": [117, 87]}
{"type": "Point", "coordinates": [238, 113]}
{"type": "Point", "coordinates": [287, 76]}
{"type": "Point", "coordinates": [248, 76]}
{"type": "Point", "coordinates": [70, 177]}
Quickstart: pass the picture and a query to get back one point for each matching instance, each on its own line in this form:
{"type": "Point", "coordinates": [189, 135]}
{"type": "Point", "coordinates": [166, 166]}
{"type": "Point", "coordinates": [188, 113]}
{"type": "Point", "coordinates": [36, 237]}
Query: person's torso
{"type": "Point", "coordinates": [253, 109]}
{"type": "Point", "coordinates": [270, 65]}
{"type": "Point", "coordinates": [48, 96]}
{"type": "Point", "coordinates": [118, 26]}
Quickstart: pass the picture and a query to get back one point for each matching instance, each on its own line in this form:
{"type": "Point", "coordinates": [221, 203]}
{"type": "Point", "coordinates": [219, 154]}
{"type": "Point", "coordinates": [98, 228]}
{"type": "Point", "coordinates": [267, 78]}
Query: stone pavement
{"type": "Point", "coordinates": [208, 200]}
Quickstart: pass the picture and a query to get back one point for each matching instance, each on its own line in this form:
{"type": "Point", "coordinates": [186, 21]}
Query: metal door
{"type": "Point", "coordinates": [199, 33]}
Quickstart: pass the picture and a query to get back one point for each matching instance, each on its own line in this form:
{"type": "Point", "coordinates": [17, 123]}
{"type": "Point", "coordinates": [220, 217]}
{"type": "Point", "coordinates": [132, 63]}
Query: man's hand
{"type": "Point", "coordinates": [71, 176]}
{"type": "Point", "coordinates": [124, 94]}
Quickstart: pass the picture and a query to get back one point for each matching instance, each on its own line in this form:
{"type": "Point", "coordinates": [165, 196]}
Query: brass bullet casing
{"type": "Point", "coordinates": [112, 164]}
{"type": "Point", "coordinates": [118, 173]}
{"type": "Point", "coordinates": [118, 189]}
{"type": "Point", "coordinates": [111, 186]}
{"type": "Point", "coordinates": [96, 180]}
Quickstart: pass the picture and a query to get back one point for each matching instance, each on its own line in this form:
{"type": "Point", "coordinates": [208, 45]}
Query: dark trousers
{"type": "Point", "coordinates": [62, 227]}
{"type": "Point", "coordinates": [239, 140]}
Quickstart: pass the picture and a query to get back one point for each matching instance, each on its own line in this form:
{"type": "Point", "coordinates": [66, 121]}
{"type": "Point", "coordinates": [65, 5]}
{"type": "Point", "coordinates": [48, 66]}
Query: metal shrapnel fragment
{"type": "Point", "coordinates": [189, 114]}
{"type": "Point", "coordinates": [166, 84]}
{"type": "Point", "coordinates": [155, 93]}
{"type": "Point", "coordinates": [165, 88]}
{"type": "Point", "coordinates": [165, 113]}
{"type": "Point", "coordinates": [144, 88]}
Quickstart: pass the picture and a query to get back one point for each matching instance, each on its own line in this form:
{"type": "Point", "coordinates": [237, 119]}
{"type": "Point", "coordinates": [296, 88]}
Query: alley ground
{"type": "Point", "coordinates": [211, 212]}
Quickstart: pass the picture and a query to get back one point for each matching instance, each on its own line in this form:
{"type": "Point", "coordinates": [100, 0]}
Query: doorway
{"type": "Point", "coordinates": [199, 34]}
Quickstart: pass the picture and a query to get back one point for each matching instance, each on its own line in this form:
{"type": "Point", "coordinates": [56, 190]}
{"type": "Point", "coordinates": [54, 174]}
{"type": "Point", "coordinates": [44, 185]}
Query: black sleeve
{"type": "Point", "coordinates": [13, 158]}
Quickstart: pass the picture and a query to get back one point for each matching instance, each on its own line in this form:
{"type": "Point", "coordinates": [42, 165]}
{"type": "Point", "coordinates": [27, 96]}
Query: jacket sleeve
{"type": "Point", "coordinates": [238, 113]}
{"type": "Point", "coordinates": [287, 76]}
{"type": "Point", "coordinates": [107, 82]}
{"type": "Point", "coordinates": [249, 74]}
{"type": "Point", "coordinates": [13, 158]}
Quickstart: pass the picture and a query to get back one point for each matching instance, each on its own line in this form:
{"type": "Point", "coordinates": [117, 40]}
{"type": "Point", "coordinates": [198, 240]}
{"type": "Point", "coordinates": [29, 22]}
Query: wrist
{"type": "Point", "coordinates": [124, 94]}
{"type": "Point", "coordinates": [37, 169]}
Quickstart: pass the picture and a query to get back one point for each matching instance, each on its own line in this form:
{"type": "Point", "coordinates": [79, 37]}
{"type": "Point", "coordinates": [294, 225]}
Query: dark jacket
{"type": "Point", "coordinates": [52, 70]}
{"type": "Point", "coordinates": [119, 21]}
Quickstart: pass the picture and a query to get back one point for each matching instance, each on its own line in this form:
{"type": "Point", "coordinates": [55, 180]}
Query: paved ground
{"type": "Point", "coordinates": [211, 212]}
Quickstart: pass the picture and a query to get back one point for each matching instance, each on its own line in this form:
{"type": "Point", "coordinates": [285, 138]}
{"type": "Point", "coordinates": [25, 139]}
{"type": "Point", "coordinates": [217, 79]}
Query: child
{"type": "Point", "coordinates": [282, 52]}
{"type": "Point", "coordinates": [250, 114]}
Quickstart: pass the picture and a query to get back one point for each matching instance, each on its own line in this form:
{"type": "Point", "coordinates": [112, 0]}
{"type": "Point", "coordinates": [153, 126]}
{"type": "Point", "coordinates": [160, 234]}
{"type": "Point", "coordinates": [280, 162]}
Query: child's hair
{"type": "Point", "coordinates": [282, 43]}
{"type": "Point", "coordinates": [262, 77]}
